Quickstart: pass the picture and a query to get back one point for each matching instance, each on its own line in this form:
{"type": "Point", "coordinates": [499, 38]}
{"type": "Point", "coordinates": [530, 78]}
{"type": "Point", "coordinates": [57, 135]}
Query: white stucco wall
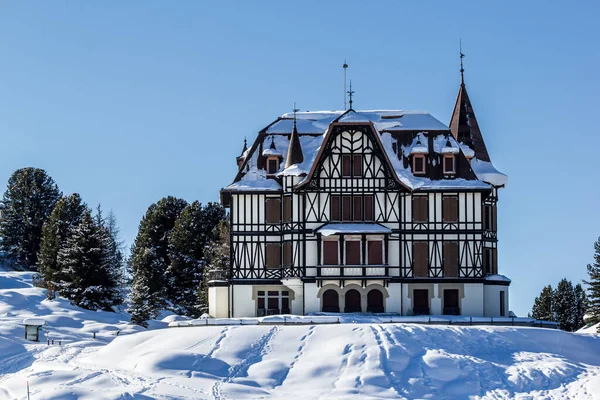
{"type": "Point", "coordinates": [311, 302]}
{"type": "Point", "coordinates": [491, 300]}
{"type": "Point", "coordinates": [393, 303]}
{"type": "Point", "coordinates": [218, 301]}
{"type": "Point", "coordinates": [472, 303]}
{"type": "Point", "coordinates": [243, 305]}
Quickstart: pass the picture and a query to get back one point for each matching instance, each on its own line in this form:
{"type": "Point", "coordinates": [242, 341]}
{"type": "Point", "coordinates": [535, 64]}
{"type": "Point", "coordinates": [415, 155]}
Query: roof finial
{"type": "Point", "coordinates": [462, 70]}
{"type": "Point", "coordinates": [350, 93]}
{"type": "Point", "coordinates": [345, 66]}
{"type": "Point", "coordinates": [294, 154]}
{"type": "Point", "coordinates": [273, 142]}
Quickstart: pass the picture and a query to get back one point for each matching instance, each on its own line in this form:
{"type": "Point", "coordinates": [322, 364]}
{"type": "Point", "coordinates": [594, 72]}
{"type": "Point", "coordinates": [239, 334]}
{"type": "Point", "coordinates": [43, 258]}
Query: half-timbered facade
{"type": "Point", "coordinates": [364, 211]}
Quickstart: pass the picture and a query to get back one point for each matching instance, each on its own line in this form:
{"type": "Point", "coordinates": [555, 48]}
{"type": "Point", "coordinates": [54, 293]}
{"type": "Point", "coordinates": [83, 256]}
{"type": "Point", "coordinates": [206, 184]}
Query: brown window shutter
{"type": "Point", "coordinates": [450, 209]}
{"type": "Point", "coordinates": [287, 208]}
{"type": "Point", "coordinates": [421, 259]}
{"type": "Point", "coordinates": [287, 254]}
{"type": "Point", "coordinates": [451, 259]}
{"type": "Point", "coordinates": [357, 204]}
{"type": "Point", "coordinates": [357, 166]}
{"type": "Point", "coordinates": [352, 252]}
{"type": "Point", "coordinates": [375, 250]}
{"type": "Point", "coordinates": [346, 166]}
{"type": "Point", "coordinates": [494, 261]}
{"type": "Point", "coordinates": [334, 204]}
{"type": "Point", "coordinates": [487, 217]}
{"type": "Point", "coordinates": [494, 218]}
{"type": "Point", "coordinates": [347, 208]}
{"type": "Point", "coordinates": [273, 255]}
{"type": "Point", "coordinates": [273, 211]}
{"type": "Point", "coordinates": [330, 252]}
{"type": "Point", "coordinates": [368, 200]}
{"type": "Point", "coordinates": [420, 208]}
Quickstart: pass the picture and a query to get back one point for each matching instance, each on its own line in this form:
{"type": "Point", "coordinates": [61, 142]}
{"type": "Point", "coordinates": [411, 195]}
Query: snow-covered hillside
{"type": "Point", "coordinates": [292, 362]}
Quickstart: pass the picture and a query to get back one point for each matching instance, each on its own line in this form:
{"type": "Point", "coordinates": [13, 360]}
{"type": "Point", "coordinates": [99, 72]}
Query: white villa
{"type": "Point", "coordinates": [364, 211]}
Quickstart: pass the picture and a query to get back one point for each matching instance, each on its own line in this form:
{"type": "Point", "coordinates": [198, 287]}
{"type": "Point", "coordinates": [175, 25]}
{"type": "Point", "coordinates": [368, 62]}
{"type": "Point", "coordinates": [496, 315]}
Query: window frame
{"type": "Point", "coordinates": [346, 160]}
{"type": "Point", "coordinates": [415, 197]}
{"type": "Point", "coordinates": [371, 209]}
{"type": "Point", "coordinates": [338, 199]}
{"type": "Point", "coordinates": [355, 173]}
{"type": "Point", "coordinates": [356, 240]}
{"type": "Point", "coordinates": [449, 157]}
{"type": "Point", "coordinates": [414, 164]}
{"type": "Point", "coordinates": [323, 252]}
{"type": "Point", "coordinates": [445, 211]}
{"type": "Point", "coordinates": [368, 245]}
{"type": "Point", "coordinates": [268, 258]}
{"type": "Point", "coordinates": [277, 163]}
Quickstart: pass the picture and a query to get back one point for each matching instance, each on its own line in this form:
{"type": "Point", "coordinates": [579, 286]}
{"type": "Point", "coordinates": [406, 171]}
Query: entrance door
{"type": "Point", "coordinates": [331, 301]}
{"type": "Point", "coordinates": [375, 301]}
{"type": "Point", "coordinates": [352, 301]}
{"type": "Point", "coordinates": [421, 302]}
{"type": "Point", "coordinates": [451, 302]}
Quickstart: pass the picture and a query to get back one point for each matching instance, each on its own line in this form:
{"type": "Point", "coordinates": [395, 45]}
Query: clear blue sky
{"type": "Point", "coordinates": [126, 102]}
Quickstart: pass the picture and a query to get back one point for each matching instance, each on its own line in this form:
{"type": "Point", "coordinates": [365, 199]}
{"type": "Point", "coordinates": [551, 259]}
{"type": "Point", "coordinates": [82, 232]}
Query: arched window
{"type": "Point", "coordinates": [375, 301]}
{"type": "Point", "coordinates": [352, 303]}
{"type": "Point", "coordinates": [331, 301]}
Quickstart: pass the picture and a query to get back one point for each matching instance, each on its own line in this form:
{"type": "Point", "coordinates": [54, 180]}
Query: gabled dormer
{"type": "Point", "coordinates": [273, 158]}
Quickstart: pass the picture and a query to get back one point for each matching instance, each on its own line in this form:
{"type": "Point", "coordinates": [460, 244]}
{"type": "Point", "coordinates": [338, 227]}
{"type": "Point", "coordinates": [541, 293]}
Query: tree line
{"type": "Point", "coordinates": [569, 306]}
{"type": "Point", "coordinates": [77, 254]}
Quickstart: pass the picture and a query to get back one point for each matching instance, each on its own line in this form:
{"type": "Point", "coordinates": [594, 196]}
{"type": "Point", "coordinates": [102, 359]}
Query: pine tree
{"type": "Point", "coordinates": [150, 258]}
{"type": "Point", "coordinates": [593, 290]}
{"type": "Point", "coordinates": [217, 260]}
{"type": "Point", "coordinates": [66, 215]}
{"type": "Point", "coordinates": [563, 300]}
{"type": "Point", "coordinates": [84, 262]}
{"type": "Point", "coordinates": [27, 204]}
{"type": "Point", "coordinates": [112, 253]}
{"type": "Point", "coordinates": [115, 233]}
{"type": "Point", "coordinates": [193, 231]}
{"type": "Point", "coordinates": [578, 307]}
{"type": "Point", "coordinates": [542, 306]}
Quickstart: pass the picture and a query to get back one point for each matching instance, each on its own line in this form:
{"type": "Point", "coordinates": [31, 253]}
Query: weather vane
{"type": "Point", "coordinates": [462, 70]}
{"type": "Point", "coordinates": [350, 93]}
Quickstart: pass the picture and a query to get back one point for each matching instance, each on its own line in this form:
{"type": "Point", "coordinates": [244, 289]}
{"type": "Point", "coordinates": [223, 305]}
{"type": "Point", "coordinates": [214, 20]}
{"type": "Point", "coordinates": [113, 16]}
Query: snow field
{"type": "Point", "coordinates": [342, 361]}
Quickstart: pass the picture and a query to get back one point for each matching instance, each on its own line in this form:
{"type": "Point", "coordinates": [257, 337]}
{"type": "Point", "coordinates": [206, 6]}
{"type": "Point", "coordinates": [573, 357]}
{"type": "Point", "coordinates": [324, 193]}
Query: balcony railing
{"type": "Point", "coordinates": [261, 312]}
{"type": "Point", "coordinates": [353, 270]}
{"type": "Point", "coordinates": [217, 275]}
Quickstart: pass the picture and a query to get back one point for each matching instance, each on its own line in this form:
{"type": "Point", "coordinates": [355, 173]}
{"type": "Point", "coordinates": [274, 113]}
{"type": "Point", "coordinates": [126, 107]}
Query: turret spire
{"type": "Point", "coordinates": [350, 93]}
{"type": "Point", "coordinates": [462, 70]}
{"type": "Point", "coordinates": [294, 154]}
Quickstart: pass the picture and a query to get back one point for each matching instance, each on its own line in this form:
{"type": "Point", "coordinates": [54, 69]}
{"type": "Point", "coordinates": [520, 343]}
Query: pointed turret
{"type": "Point", "coordinates": [464, 126]}
{"type": "Point", "coordinates": [240, 159]}
{"type": "Point", "coordinates": [294, 154]}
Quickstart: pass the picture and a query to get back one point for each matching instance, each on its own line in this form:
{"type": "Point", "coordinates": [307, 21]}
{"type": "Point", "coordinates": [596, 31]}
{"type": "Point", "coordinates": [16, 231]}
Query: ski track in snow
{"type": "Point", "coordinates": [257, 351]}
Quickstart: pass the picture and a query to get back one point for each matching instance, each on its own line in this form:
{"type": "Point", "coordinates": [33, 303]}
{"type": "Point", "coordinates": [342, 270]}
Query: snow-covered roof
{"type": "Point", "coordinates": [34, 321]}
{"type": "Point", "coordinates": [271, 152]}
{"type": "Point", "coordinates": [312, 127]}
{"type": "Point", "coordinates": [334, 229]}
{"type": "Point", "coordinates": [497, 278]}
{"type": "Point", "coordinates": [486, 172]}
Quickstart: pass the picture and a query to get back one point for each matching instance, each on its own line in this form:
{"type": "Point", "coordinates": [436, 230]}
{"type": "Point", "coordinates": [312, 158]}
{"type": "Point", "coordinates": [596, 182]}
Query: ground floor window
{"type": "Point", "coordinates": [352, 303]}
{"type": "Point", "coordinates": [451, 306]}
{"type": "Point", "coordinates": [331, 301]}
{"type": "Point", "coordinates": [375, 301]}
{"type": "Point", "coordinates": [421, 302]}
{"type": "Point", "coordinates": [272, 302]}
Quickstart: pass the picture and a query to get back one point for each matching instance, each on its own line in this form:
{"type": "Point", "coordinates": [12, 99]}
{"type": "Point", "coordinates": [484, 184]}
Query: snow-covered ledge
{"type": "Point", "coordinates": [295, 285]}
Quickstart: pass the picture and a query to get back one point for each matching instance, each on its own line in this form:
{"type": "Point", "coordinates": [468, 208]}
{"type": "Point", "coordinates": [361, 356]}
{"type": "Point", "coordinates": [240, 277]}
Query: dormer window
{"type": "Point", "coordinates": [272, 166]}
{"type": "Point", "coordinates": [419, 164]}
{"type": "Point", "coordinates": [449, 164]}
{"type": "Point", "coordinates": [273, 157]}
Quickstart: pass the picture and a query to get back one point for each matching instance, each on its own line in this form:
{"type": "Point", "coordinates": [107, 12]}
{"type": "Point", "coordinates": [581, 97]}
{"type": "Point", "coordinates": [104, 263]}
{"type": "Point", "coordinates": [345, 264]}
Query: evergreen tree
{"type": "Point", "coordinates": [578, 307]}
{"type": "Point", "coordinates": [84, 262]}
{"type": "Point", "coordinates": [27, 204]}
{"type": "Point", "coordinates": [563, 300]}
{"type": "Point", "coordinates": [115, 233]}
{"type": "Point", "coordinates": [150, 259]}
{"type": "Point", "coordinates": [66, 215]}
{"type": "Point", "coordinates": [112, 253]}
{"type": "Point", "coordinates": [193, 231]}
{"type": "Point", "coordinates": [593, 290]}
{"type": "Point", "coordinates": [217, 259]}
{"type": "Point", "coordinates": [542, 306]}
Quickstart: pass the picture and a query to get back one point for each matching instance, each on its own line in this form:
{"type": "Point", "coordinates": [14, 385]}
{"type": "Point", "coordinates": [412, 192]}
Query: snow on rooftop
{"type": "Point", "coordinates": [497, 278]}
{"type": "Point", "coordinates": [486, 172]}
{"type": "Point", "coordinates": [334, 229]}
{"type": "Point", "coordinates": [255, 179]}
